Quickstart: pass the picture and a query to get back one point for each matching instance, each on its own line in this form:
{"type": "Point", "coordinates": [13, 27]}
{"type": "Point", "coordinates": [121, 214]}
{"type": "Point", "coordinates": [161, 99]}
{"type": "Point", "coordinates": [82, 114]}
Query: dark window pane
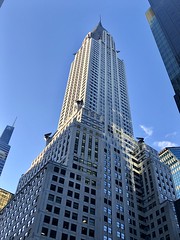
{"type": "Point", "coordinates": [74, 216]}
{"type": "Point", "coordinates": [72, 175]}
{"type": "Point", "coordinates": [66, 225]}
{"type": "Point", "coordinates": [54, 178]}
{"type": "Point", "coordinates": [77, 186]}
{"type": "Point", "coordinates": [53, 187]}
{"type": "Point", "coordinates": [61, 180]}
{"type": "Point", "coordinates": [84, 230]}
{"type": "Point", "coordinates": [60, 190]}
{"type": "Point", "coordinates": [52, 234]}
{"type": "Point", "coordinates": [64, 236]}
{"type": "Point", "coordinates": [67, 213]}
{"type": "Point", "coordinates": [51, 197]}
{"type": "Point", "coordinates": [68, 203]}
{"type": "Point", "coordinates": [73, 227]}
{"type": "Point", "coordinates": [46, 219]}
{"type": "Point", "coordinates": [56, 169]}
{"type": "Point", "coordinates": [55, 221]}
{"type": "Point", "coordinates": [44, 231]}
{"type": "Point", "coordinates": [69, 193]}
{"type": "Point", "coordinates": [58, 200]}
{"type": "Point", "coordinates": [49, 208]}
{"type": "Point", "coordinates": [63, 171]}
{"type": "Point", "coordinates": [56, 210]}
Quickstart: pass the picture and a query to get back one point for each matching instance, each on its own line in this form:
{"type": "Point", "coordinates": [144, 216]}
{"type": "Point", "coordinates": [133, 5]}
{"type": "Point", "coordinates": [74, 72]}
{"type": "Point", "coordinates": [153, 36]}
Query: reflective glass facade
{"type": "Point", "coordinates": [164, 20]}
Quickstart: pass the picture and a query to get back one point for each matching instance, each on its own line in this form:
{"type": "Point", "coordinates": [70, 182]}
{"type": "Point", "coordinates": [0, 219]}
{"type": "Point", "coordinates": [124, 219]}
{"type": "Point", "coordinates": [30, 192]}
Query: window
{"type": "Point", "coordinates": [46, 219]}
{"type": "Point", "coordinates": [56, 169]}
{"type": "Point", "coordinates": [68, 203]}
{"type": "Point", "coordinates": [92, 211]}
{"type": "Point", "coordinates": [77, 186]}
{"type": "Point", "coordinates": [66, 225]}
{"type": "Point", "coordinates": [93, 192]}
{"type": "Point", "coordinates": [63, 172]}
{"type": "Point", "coordinates": [92, 221]}
{"type": "Point", "coordinates": [70, 193]}
{"type": "Point", "coordinates": [44, 231]}
{"type": "Point", "coordinates": [56, 210]}
{"type": "Point", "coordinates": [76, 195]}
{"type": "Point", "coordinates": [67, 214]}
{"type": "Point", "coordinates": [64, 236]}
{"type": "Point", "coordinates": [55, 221]}
{"type": "Point", "coordinates": [60, 190]}
{"type": "Point", "coordinates": [58, 199]}
{"type": "Point", "coordinates": [93, 201]}
{"type": "Point", "coordinates": [86, 199]}
{"type": "Point", "coordinates": [53, 187]}
{"type": "Point", "coordinates": [84, 230]}
{"type": "Point", "coordinates": [54, 178]}
{"type": "Point", "coordinates": [75, 205]}
{"type": "Point", "coordinates": [51, 197]}
{"type": "Point", "coordinates": [49, 208]}
{"type": "Point", "coordinates": [86, 189]}
{"type": "Point", "coordinates": [61, 180]}
{"type": "Point", "coordinates": [85, 209]}
{"type": "Point", "coordinates": [72, 175]}
{"type": "Point", "coordinates": [52, 234]}
{"type": "Point", "coordinates": [91, 233]}
{"type": "Point", "coordinates": [71, 184]}
{"type": "Point", "coordinates": [74, 216]}
{"type": "Point", "coordinates": [73, 227]}
{"type": "Point", "coordinates": [78, 177]}
{"type": "Point", "coordinates": [72, 238]}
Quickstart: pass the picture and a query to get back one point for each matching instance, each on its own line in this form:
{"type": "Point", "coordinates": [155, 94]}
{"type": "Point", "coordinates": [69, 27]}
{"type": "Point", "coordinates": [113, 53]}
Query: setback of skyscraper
{"type": "Point", "coordinates": [93, 180]}
{"type": "Point", "coordinates": [164, 20]}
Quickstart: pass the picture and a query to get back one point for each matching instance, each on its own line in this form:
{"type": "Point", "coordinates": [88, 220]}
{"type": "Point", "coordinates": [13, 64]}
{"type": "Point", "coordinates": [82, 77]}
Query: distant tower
{"type": "Point", "coordinates": [4, 145]}
{"type": "Point", "coordinates": [164, 20]}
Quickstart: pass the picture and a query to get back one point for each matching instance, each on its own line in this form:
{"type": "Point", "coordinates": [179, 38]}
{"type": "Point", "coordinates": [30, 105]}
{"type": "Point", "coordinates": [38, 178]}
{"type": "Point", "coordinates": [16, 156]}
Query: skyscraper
{"type": "Point", "coordinates": [93, 180]}
{"type": "Point", "coordinates": [164, 20]}
{"type": "Point", "coordinates": [1, 2]}
{"type": "Point", "coordinates": [4, 145]}
{"type": "Point", "coordinates": [171, 157]}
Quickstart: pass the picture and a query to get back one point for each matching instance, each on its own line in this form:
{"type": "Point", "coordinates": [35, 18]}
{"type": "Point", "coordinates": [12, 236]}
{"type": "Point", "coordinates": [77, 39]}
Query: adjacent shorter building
{"type": "Point", "coordinates": [171, 157]}
{"type": "Point", "coordinates": [164, 20]}
{"type": "Point", "coordinates": [5, 197]}
{"type": "Point", "coordinates": [4, 145]}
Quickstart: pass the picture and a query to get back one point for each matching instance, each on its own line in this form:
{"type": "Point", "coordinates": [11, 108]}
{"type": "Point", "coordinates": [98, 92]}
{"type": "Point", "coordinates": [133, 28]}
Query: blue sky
{"type": "Point", "coordinates": [37, 42]}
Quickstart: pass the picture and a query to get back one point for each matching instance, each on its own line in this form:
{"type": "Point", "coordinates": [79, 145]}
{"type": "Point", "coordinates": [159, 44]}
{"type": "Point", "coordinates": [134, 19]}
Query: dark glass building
{"type": "Point", "coordinates": [164, 20]}
{"type": "Point", "coordinates": [4, 145]}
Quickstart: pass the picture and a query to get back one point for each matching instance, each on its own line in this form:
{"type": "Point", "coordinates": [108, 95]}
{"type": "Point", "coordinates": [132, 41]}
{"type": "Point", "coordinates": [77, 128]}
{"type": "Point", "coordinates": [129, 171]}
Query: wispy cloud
{"type": "Point", "coordinates": [164, 144]}
{"type": "Point", "coordinates": [148, 130]}
{"type": "Point", "coordinates": [171, 134]}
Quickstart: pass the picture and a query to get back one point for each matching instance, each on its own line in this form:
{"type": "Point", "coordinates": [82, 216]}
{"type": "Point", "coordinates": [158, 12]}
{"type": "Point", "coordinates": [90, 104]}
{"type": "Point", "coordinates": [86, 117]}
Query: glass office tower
{"type": "Point", "coordinates": [171, 157]}
{"type": "Point", "coordinates": [164, 20]}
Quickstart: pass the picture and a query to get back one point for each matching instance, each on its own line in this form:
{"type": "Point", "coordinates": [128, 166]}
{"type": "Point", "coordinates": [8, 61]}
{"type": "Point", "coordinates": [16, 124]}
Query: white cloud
{"type": "Point", "coordinates": [147, 130]}
{"type": "Point", "coordinates": [171, 134]}
{"type": "Point", "coordinates": [164, 144]}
